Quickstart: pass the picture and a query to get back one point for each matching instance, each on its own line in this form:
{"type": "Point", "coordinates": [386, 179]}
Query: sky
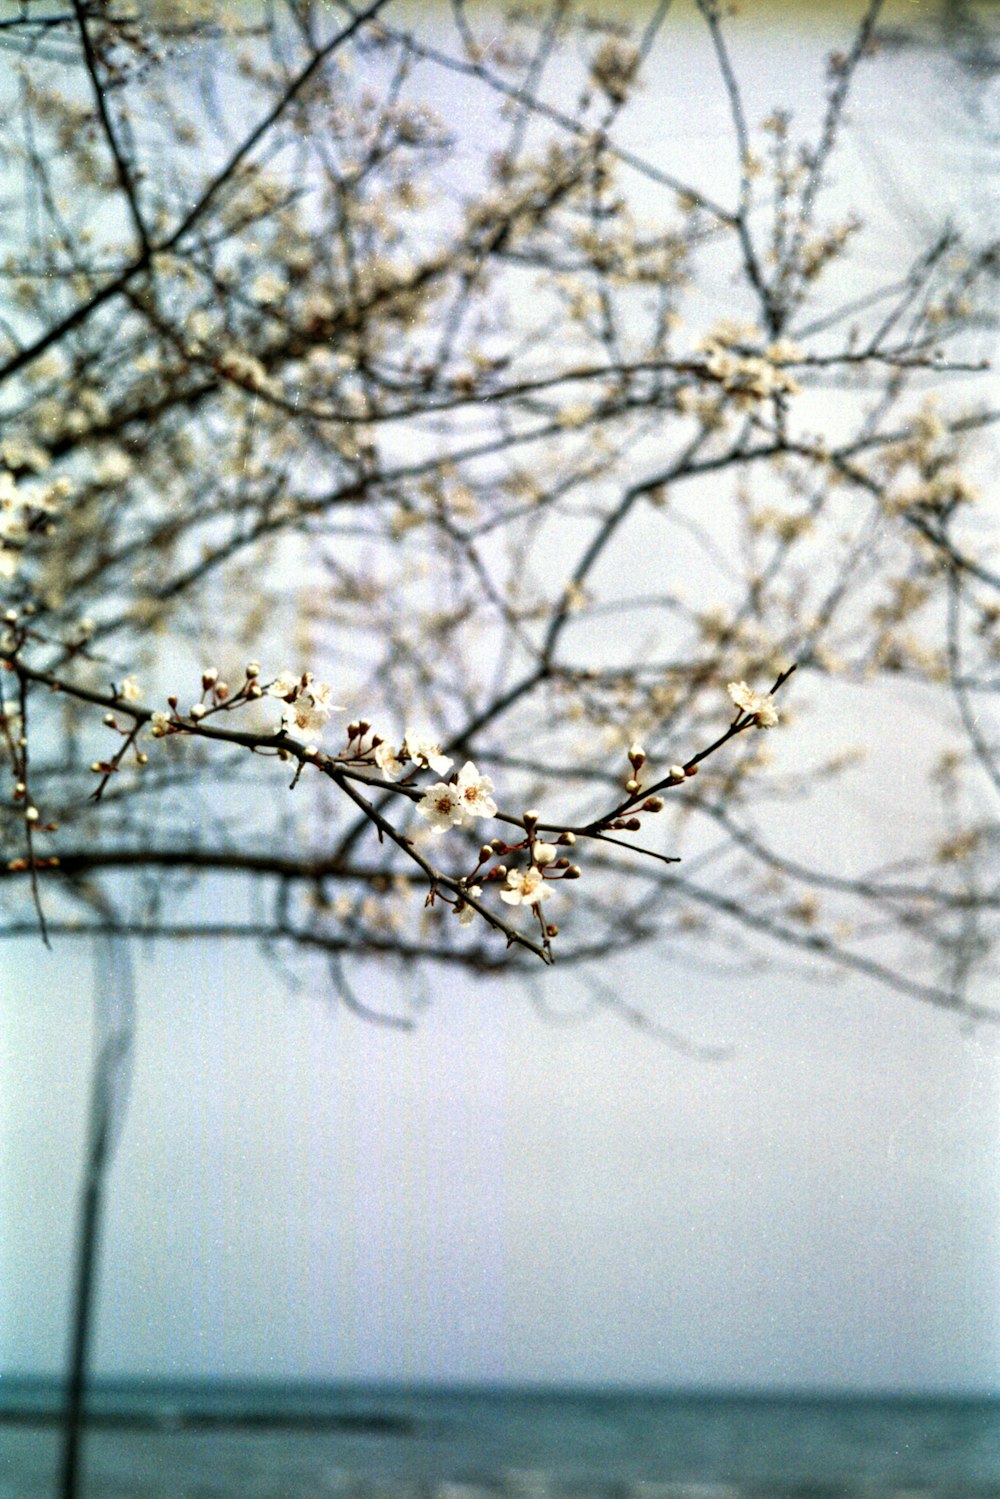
{"type": "Point", "coordinates": [516, 1190]}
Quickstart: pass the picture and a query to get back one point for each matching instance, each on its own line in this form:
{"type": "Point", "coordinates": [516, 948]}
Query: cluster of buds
{"type": "Point", "coordinates": [527, 886]}
{"type": "Point", "coordinates": [631, 823]}
{"type": "Point", "coordinates": [637, 759]}
{"type": "Point", "coordinates": [357, 730]}
{"type": "Point", "coordinates": [214, 693]}
{"type": "Point", "coordinates": [13, 739]}
{"type": "Point", "coordinates": [216, 696]}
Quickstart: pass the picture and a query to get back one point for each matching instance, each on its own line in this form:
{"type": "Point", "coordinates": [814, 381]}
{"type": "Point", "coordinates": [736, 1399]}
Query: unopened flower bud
{"type": "Point", "coordinates": [486, 852]}
{"type": "Point", "coordinates": [19, 789]}
{"type": "Point", "coordinates": [573, 872]}
{"type": "Point", "coordinates": [654, 804]}
{"type": "Point", "coordinates": [222, 691]}
{"type": "Point", "coordinates": [252, 670]}
{"type": "Point", "coordinates": [544, 853]}
{"type": "Point", "coordinates": [310, 752]}
{"type": "Point", "coordinates": [142, 758]}
{"type": "Point", "coordinates": [110, 722]}
{"type": "Point", "coordinates": [363, 727]}
{"type": "Point", "coordinates": [530, 818]}
{"type": "Point", "coordinates": [637, 755]}
{"type": "Point", "coordinates": [197, 710]}
{"type": "Point", "coordinates": [551, 930]}
{"type": "Point", "coordinates": [632, 785]}
{"type": "Point", "coordinates": [569, 838]}
{"type": "Point", "coordinates": [209, 677]}
{"type": "Point", "coordinates": [31, 814]}
{"type": "Point", "coordinates": [633, 825]}
{"type": "Point", "coordinates": [676, 772]}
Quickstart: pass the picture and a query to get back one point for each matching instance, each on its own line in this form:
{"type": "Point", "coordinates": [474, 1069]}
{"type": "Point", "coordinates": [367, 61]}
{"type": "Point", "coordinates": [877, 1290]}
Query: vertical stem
{"type": "Point", "coordinates": [114, 1017]}
{"type": "Point", "coordinates": [83, 1290]}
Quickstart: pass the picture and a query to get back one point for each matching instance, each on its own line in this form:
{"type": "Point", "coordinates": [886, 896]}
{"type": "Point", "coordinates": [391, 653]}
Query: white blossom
{"type": "Point", "coordinates": [305, 715]}
{"type": "Point", "coordinates": [466, 914]}
{"type": "Point", "coordinates": [759, 705]}
{"type": "Point", "coordinates": [423, 750]}
{"type": "Point", "coordinates": [113, 467]}
{"type": "Point", "coordinates": [387, 759]}
{"type": "Point", "coordinates": [285, 685]}
{"type": "Point", "coordinates": [268, 287]}
{"type": "Point", "coordinates": [321, 696]}
{"type": "Point", "coordinates": [474, 791]}
{"type": "Point", "coordinates": [442, 807]}
{"type": "Point", "coordinates": [525, 887]}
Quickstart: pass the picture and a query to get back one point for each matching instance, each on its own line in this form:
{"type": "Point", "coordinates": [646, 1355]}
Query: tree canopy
{"type": "Point", "coordinates": [352, 355]}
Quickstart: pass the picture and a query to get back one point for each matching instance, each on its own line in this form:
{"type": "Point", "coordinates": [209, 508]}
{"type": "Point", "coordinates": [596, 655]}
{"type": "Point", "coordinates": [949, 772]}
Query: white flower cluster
{"type": "Point", "coordinates": [748, 378]}
{"type": "Point", "coordinates": [308, 703]}
{"type": "Point", "coordinates": [417, 748]}
{"type": "Point", "coordinates": [13, 529]}
{"type": "Point", "coordinates": [525, 887]}
{"type": "Point", "coordinates": [453, 803]}
{"type": "Point", "coordinates": [16, 504]}
{"type": "Point", "coordinates": [456, 804]}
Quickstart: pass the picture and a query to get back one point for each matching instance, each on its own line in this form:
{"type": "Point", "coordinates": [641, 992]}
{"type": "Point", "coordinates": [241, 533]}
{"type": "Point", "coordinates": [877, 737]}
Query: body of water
{"type": "Point", "coordinates": [227, 1441]}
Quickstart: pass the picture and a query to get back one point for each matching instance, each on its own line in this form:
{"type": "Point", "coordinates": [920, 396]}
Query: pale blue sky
{"type": "Point", "coordinates": [492, 1197]}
